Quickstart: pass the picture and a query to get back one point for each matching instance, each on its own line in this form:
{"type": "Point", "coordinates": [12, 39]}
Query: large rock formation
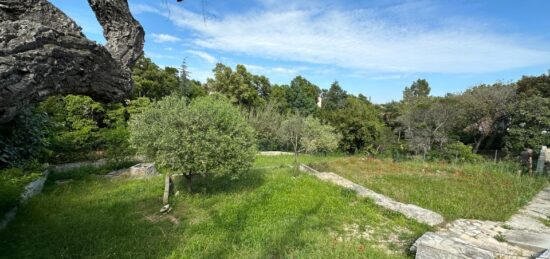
{"type": "Point", "coordinates": [43, 52]}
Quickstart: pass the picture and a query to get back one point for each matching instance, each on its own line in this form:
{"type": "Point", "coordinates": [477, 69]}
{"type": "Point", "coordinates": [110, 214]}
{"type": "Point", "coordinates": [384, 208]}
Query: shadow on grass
{"type": "Point", "coordinates": [99, 228]}
{"type": "Point", "coordinates": [246, 182]}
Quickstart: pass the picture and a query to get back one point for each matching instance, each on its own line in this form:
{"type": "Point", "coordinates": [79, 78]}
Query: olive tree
{"type": "Point", "coordinates": [308, 135]}
{"type": "Point", "coordinates": [207, 136]}
{"type": "Point", "coordinates": [319, 137]}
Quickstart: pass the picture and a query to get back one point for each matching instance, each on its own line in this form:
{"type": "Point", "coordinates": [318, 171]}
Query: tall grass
{"type": "Point", "coordinates": [486, 190]}
{"type": "Point", "coordinates": [267, 213]}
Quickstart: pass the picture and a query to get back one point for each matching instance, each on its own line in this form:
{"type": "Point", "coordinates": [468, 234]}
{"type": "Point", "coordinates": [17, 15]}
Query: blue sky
{"type": "Point", "coordinates": [371, 47]}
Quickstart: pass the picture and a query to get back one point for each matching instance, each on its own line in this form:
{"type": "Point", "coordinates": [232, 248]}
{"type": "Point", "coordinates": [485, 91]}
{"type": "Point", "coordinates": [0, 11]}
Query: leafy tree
{"type": "Point", "coordinates": [334, 98]}
{"type": "Point", "coordinates": [278, 97]}
{"type": "Point", "coordinates": [266, 121]}
{"type": "Point", "coordinates": [80, 128]}
{"type": "Point", "coordinates": [419, 88]}
{"type": "Point", "coordinates": [74, 128]}
{"type": "Point", "coordinates": [207, 137]}
{"type": "Point", "coordinates": [390, 114]}
{"type": "Point", "coordinates": [152, 81]}
{"type": "Point", "coordinates": [427, 122]}
{"type": "Point", "coordinates": [529, 125]}
{"type": "Point", "coordinates": [534, 86]}
{"type": "Point", "coordinates": [291, 133]}
{"type": "Point", "coordinates": [319, 137]}
{"type": "Point", "coordinates": [302, 96]}
{"type": "Point", "coordinates": [360, 125]}
{"type": "Point", "coordinates": [190, 88]}
{"type": "Point", "coordinates": [240, 86]}
{"type": "Point", "coordinates": [485, 110]}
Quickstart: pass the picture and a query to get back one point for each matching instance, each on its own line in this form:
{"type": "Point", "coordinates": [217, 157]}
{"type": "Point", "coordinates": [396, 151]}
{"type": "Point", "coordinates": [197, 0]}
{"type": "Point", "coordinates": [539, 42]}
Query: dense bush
{"type": "Point", "coordinates": [209, 136]}
{"type": "Point", "coordinates": [23, 138]}
{"type": "Point", "coordinates": [319, 137]}
{"type": "Point", "coordinates": [455, 152]}
{"type": "Point", "coordinates": [81, 129]}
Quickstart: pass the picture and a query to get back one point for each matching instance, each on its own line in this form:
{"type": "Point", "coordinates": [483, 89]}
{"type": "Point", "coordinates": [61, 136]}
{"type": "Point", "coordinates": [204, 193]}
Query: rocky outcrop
{"type": "Point", "coordinates": [43, 52]}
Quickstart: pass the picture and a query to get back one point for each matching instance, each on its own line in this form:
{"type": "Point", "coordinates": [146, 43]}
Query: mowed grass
{"type": "Point", "coordinates": [267, 213]}
{"type": "Point", "coordinates": [485, 191]}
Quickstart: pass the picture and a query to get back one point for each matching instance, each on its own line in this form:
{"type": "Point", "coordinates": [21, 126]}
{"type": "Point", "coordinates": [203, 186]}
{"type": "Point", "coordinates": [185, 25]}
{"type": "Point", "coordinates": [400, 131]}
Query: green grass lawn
{"type": "Point", "coordinates": [270, 212]}
{"type": "Point", "coordinates": [484, 191]}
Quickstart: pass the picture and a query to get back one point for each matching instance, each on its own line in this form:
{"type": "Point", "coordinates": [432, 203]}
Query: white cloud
{"type": "Point", "coordinates": [201, 54]}
{"type": "Point", "coordinates": [283, 70]}
{"type": "Point", "coordinates": [143, 8]}
{"type": "Point", "coordinates": [263, 70]}
{"type": "Point", "coordinates": [162, 38]}
{"type": "Point", "coordinates": [362, 39]}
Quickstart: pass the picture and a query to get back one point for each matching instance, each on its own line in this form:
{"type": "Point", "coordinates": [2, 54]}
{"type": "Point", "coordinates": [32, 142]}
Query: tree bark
{"type": "Point", "coordinates": [167, 186]}
{"type": "Point", "coordinates": [43, 53]}
{"type": "Point", "coordinates": [478, 144]}
{"type": "Point", "coordinates": [188, 182]}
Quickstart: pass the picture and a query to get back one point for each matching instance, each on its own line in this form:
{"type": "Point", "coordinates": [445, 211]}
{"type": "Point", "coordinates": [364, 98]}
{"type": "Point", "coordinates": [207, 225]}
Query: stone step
{"type": "Point", "coordinates": [524, 235]}
{"type": "Point", "coordinates": [469, 239]}
{"type": "Point", "coordinates": [534, 241]}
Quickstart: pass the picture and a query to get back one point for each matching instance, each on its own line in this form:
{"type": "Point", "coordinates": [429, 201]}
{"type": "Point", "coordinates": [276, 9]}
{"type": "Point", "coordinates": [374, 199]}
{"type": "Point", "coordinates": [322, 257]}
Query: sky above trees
{"type": "Point", "coordinates": [371, 47]}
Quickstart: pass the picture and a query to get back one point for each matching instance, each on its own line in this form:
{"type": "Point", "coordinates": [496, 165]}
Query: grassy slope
{"type": "Point", "coordinates": [270, 212]}
{"type": "Point", "coordinates": [483, 191]}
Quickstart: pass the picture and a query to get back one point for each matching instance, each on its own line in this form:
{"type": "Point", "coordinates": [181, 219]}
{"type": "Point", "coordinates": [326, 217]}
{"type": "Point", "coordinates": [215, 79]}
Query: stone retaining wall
{"type": "Point", "coordinates": [33, 188]}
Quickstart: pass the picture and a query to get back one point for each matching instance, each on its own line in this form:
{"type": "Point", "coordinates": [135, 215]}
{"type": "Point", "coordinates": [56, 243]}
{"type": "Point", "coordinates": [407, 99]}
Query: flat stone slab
{"type": "Point", "coordinates": [469, 239]}
{"type": "Point", "coordinates": [142, 170]}
{"type": "Point", "coordinates": [524, 235]}
{"type": "Point", "coordinates": [275, 153]}
{"type": "Point", "coordinates": [409, 210]}
{"type": "Point", "coordinates": [536, 242]}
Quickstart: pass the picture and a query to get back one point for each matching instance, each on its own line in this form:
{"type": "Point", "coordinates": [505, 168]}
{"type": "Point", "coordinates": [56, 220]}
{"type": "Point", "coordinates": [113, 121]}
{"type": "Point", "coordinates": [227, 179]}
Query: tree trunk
{"type": "Point", "coordinates": [478, 144]}
{"type": "Point", "coordinates": [296, 151]}
{"type": "Point", "coordinates": [188, 182]}
{"type": "Point", "coordinates": [166, 189]}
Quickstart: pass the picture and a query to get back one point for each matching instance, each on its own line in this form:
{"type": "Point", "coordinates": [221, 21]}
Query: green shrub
{"type": "Point", "coordinates": [23, 138]}
{"type": "Point", "coordinates": [455, 152]}
{"type": "Point", "coordinates": [116, 144]}
{"type": "Point", "coordinates": [209, 136]}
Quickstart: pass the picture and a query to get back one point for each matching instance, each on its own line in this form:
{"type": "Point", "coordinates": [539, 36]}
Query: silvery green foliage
{"type": "Point", "coordinates": [319, 137]}
{"type": "Point", "coordinates": [207, 136]}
